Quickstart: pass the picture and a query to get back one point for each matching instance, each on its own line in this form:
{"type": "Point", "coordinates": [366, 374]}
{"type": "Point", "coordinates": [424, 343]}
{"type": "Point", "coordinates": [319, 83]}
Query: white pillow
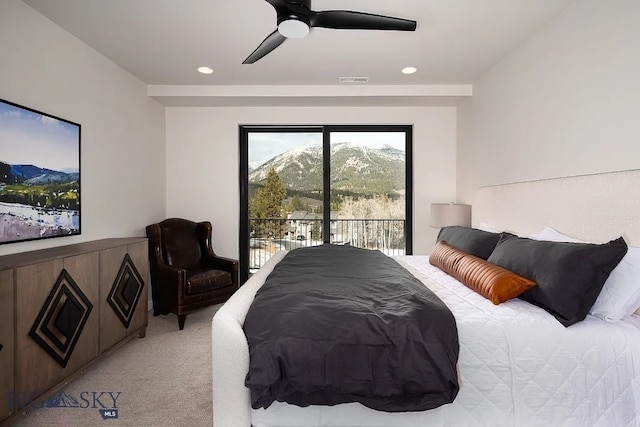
{"type": "Point", "coordinates": [486, 227]}
{"type": "Point", "coordinates": [620, 295]}
{"type": "Point", "coordinates": [552, 235]}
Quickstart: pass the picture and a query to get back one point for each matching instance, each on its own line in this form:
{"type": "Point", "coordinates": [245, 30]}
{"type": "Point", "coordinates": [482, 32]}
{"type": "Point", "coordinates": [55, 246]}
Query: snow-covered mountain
{"type": "Point", "coordinates": [354, 168]}
{"type": "Point", "coordinates": [254, 165]}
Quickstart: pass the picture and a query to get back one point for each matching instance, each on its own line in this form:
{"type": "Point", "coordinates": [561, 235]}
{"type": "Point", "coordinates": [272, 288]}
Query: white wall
{"type": "Point", "coordinates": [566, 102]}
{"type": "Point", "coordinates": [122, 149]}
{"type": "Point", "coordinates": [203, 160]}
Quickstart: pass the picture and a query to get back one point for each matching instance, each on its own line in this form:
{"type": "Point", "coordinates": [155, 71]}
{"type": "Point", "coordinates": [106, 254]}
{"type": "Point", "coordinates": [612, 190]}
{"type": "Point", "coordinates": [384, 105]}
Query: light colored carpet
{"type": "Point", "coordinates": [164, 380]}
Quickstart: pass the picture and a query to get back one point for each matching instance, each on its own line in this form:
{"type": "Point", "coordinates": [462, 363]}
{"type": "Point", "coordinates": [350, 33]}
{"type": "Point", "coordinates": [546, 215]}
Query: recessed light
{"type": "Point", "coordinates": [409, 70]}
{"type": "Point", "coordinates": [205, 70]}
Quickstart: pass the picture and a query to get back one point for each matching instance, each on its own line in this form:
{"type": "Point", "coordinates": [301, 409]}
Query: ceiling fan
{"type": "Point", "coordinates": [295, 19]}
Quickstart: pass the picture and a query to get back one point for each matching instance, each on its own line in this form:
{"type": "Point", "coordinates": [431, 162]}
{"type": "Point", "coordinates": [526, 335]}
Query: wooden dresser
{"type": "Point", "coordinates": [62, 308]}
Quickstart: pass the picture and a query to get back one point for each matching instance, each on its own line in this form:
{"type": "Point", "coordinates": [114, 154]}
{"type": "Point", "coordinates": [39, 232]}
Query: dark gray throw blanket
{"type": "Point", "coordinates": [336, 324]}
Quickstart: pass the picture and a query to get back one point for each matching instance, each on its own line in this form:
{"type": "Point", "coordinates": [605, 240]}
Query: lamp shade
{"type": "Point", "coordinates": [447, 214]}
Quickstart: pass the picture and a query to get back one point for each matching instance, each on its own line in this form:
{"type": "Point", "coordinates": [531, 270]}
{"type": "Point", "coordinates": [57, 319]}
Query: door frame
{"type": "Point", "coordinates": [325, 130]}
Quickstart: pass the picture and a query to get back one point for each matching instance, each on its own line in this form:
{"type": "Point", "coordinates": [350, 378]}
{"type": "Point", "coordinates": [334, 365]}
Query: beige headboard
{"type": "Point", "coordinates": [596, 208]}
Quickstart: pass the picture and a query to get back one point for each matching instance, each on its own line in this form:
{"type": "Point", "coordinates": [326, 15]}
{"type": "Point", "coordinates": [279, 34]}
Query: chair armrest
{"type": "Point", "coordinates": [168, 278]}
{"type": "Point", "coordinates": [221, 263]}
{"type": "Point", "coordinates": [168, 272]}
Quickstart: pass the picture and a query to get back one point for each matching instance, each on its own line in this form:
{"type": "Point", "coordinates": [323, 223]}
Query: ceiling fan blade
{"type": "Point", "coordinates": [272, 41]}
{"type": "Point", "coordinates": [279, 5]}
{"type": "Point", "coordinates": [348, 20]}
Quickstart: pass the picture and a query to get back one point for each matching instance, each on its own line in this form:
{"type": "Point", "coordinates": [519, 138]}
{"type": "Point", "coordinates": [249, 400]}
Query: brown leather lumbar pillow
{"type": "Point", "coordinates": [489, 280]}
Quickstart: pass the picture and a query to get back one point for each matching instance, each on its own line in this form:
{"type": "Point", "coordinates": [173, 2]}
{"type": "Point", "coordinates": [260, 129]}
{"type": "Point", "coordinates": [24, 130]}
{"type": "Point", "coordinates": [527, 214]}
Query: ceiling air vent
{"type": "Point", "coordinates": [354, 79]}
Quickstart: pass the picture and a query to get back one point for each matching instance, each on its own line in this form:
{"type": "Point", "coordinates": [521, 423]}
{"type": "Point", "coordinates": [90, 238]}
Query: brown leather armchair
{"type": "Point", "coordinates": [186, 274]}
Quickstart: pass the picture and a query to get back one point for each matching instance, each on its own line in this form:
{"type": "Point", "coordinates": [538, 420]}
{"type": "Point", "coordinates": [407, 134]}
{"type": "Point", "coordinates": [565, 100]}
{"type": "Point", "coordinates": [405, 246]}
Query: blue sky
{"type": "Point", "coordinates": [266, 145]}
{"type": "Point", "coordinates": [32, 138]}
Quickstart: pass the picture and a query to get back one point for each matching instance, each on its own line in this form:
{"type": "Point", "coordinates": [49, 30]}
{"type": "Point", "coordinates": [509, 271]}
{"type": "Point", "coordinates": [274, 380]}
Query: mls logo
{"type": "Point", "coordinates": [109, 414]}
{"type": "Point", "coordinates": [106, 402]}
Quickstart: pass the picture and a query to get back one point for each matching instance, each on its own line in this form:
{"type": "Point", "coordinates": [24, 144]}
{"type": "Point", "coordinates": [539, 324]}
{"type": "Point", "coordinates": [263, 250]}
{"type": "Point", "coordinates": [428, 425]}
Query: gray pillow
{"type": "Point", "coordinates": [470, 240]}
{"type": "Point", "coordinates": [570, 276]}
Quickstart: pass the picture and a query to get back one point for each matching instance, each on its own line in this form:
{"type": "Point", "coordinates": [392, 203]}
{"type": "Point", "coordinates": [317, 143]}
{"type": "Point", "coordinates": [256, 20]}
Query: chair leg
{"type": "Point", "coordinates": [181, 319]}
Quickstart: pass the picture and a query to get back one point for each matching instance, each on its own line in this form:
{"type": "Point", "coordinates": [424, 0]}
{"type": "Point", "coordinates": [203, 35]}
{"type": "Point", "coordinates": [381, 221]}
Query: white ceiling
{"type": "Point", "coordinates": [163, 41]}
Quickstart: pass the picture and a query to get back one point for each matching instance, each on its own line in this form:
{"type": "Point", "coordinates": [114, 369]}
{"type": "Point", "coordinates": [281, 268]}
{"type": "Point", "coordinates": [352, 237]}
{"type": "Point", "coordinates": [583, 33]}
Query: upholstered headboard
{"type": "Point", "coordinates": [595, 208]}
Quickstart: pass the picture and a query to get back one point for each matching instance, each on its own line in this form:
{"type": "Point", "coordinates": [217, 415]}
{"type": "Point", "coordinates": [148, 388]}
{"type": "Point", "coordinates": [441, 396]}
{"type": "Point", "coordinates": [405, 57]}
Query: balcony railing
{"type": "Point", "coordinates": [267, 236]}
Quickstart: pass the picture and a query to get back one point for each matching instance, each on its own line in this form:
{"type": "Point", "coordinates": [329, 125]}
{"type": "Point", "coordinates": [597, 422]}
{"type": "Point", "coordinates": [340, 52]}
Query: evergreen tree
{"type": "Point", "coordinates": [267, 202]}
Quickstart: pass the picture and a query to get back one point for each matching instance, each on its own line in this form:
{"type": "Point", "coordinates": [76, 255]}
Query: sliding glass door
{"type": "Point", "coordinates": [305, 186]}
{"type": "Point", "coordinates": [368, 187]}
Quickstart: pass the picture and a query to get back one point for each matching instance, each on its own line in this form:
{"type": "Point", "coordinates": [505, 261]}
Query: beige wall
{"type": "Point", "coordinates": [123, 149]}
{"type": "Point", "coordinates": [563, 103]}
{"type": "Point", "coordinates": [203, 160]}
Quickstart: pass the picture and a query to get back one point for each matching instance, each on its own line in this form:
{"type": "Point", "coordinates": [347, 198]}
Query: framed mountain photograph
{"type": "Point", "coordinates": [39, 175]}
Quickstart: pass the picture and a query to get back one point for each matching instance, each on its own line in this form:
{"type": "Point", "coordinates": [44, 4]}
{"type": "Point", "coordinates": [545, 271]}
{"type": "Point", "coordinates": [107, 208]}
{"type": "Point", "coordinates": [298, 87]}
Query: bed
{"type": "Point", "coordinates": [517, 364]}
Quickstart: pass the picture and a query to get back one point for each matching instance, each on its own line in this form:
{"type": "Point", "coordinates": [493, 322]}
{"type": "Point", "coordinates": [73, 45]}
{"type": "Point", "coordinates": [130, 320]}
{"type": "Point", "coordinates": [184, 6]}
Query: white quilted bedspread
{"type": "Point", "coordinates": [518, 367]}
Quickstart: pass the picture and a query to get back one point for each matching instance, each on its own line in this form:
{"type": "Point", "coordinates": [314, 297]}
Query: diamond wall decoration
{"type": "Point", "coordinates": [61, 319]}
{"type": "Point", "coordinates": [126, 290]}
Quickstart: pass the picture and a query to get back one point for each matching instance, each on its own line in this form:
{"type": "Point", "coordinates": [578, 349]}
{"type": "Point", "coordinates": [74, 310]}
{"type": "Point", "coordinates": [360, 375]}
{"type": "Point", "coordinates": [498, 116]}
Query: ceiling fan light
{"type": "Point", "coordinates": [293, 28]}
